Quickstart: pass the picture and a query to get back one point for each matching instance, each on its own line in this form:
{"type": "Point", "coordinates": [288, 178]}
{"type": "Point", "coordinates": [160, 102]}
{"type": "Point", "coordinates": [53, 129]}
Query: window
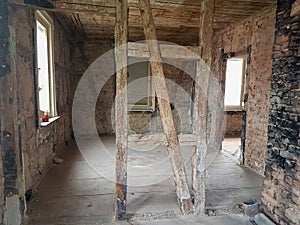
{"type": "Point", "coordinates": [140, 91]}
{"type": "Point", "coordinates": [45, 70]}
{"type": "Point", "coordinates": [234, 85]}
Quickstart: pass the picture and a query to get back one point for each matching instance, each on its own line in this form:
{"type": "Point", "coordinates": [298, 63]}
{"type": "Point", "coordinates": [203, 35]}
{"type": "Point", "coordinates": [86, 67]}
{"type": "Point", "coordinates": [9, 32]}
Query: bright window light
{"type": "Point", "coordinates": [140, 89]}
{"type": "Point", "coordinates": [234, 83]}
{"type": "Point", "coordinates": [43, 67]}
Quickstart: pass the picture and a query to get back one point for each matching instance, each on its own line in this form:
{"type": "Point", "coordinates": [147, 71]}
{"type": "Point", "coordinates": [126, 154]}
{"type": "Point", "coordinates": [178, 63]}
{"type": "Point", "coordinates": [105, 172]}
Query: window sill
{"type": "Point", "coordinates": [51, 120]}
{"type": "Point", "coordinates": [234, 109]}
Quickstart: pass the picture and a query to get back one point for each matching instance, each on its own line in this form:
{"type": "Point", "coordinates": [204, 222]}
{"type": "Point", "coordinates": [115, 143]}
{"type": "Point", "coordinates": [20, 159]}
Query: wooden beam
{"type": "Point", "coordinates": [296, 8]}
{"type": "Point", "coordinates": [201, 105]}
{"type": "Point", "coordinates": [159, 139]}
{"type": "Point", "coordinates": [67, 7]}
{"type": "Point", "coordinates": [177, 164]}
{"type": "Point", "coordinates": [141, 50]}
{"type": "Point", "coordinates": [92, 6]}
{"type": "Point", "coordinates": [121, 34]}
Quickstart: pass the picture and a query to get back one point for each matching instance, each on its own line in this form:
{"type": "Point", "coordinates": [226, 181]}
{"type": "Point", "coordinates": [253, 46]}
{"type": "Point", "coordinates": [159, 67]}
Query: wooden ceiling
{"type": "Point", "coordinates": [176, 20]}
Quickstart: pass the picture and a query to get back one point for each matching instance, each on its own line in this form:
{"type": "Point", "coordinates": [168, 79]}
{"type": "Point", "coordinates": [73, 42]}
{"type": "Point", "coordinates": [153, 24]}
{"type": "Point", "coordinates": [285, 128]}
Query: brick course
{"type": "Point", "coordinates": [281, 192]}
{"type": "Point", "coordinates": [257, 31]}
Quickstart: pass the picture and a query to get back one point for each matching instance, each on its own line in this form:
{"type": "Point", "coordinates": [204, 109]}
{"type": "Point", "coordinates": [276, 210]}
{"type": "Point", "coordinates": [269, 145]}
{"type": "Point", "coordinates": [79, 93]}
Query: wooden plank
{"type": "Point", "coordinates": [176, 19]}
{"type": "Point", "coordinates": [296, 8]}
{"type": "Point", "coordinates": [159, 139]}
{"type": "Point", "coordinates": [141, 50]}
{"type": "Point", "coordinates": [201, 105]}
{"type": "Point", "coordinates": [68, 7]}
{"type": "Point", "coordinates": [121, 34]}
{"type": "Point", "coordinates": [177, 164]}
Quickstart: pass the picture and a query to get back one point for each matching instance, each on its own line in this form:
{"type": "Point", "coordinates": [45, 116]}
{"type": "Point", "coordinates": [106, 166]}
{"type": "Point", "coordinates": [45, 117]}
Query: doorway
{"type": "Point", "coordinates": [234, 102]}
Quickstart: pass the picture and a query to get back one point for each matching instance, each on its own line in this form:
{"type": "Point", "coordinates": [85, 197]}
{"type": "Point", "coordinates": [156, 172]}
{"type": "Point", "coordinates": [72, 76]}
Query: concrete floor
{"type": "Point", "coordinates": [232, 145]}
{"type": "Point", "coordinates": [209, 220]}
{"type": "Point", "coordinates": [81, 190]}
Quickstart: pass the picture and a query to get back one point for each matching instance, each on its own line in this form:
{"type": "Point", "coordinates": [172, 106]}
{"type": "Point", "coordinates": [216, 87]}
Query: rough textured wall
{"type": "Point", "coordinates": [139, 122]}
{"type": "Point", "coordinates": [233, 124]}
{"type": "Point", "coordinates": [257, 31]}
{"type": "Point", "coordinates": [84, 55]}
{"type": "Point", "coordinates": [179, 86]}
{"type": "Point", "coordinates": [39, 144]}
{"type": "Point", "coordinates": [281, 194]}
{"type": "Point", "coordinates": [3, 60]}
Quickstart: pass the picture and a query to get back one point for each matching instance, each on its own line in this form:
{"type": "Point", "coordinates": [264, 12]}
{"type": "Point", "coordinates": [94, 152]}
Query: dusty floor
{"type": "Point", "coordinates": [212, 220]}
{"type": "Point", "coordinates": [232, 146]}
{"type": "Point", "coordinates": [81, 190]}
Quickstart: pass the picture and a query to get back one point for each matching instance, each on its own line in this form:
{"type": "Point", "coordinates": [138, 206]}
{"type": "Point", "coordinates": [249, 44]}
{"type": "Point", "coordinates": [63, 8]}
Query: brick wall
{"type": "Point", "coordinates": [257, 31]}
{"type": "Point", "coordinates": [281, 194]}
{"type": "Point", "coordinates": [233, 124]}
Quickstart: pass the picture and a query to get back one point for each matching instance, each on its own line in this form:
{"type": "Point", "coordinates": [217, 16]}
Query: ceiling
{"type": "Point", "coordinates": [175, 20]}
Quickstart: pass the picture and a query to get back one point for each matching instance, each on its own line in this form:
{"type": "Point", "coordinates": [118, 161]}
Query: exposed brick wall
{"type": "Point", "coordinates": [39, 144]}
{"type": "Point", "coordinates": [233, 124]}
{"type": "Point", "coordinates": [281, 194]}
{"type": "Point", "coordinates": [257, 31]}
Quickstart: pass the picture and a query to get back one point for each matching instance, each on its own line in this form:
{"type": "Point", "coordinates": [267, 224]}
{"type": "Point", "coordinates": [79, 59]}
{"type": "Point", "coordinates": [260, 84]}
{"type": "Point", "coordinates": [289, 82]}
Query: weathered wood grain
{"type": "Point", "coordinates": [159, 139]}
{"type": "Point", "coordinates": [177, 164]}
{"type": "Point", "coordinates": [121, 33]}
{"type": "Point", "coordinates": [141, 50]}
{"type": "Point", "coordinates": [175, 20]}
{"type": "Point", "coordinates": [201, 105]}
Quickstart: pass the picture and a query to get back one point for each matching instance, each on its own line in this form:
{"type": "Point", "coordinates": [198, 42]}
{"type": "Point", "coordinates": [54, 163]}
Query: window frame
{"type": "Point", "coordinates": [45, 20]}
{"type": "Point", "coordinates": [150, 107]}
{"type": "Point", "coordinates": [241, 106]}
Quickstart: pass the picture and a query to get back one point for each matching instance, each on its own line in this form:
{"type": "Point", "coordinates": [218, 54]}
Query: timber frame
{"type": "Point", "coordinates": [121, 107]}
{"type": "Point", "coordinates": [155, 52]}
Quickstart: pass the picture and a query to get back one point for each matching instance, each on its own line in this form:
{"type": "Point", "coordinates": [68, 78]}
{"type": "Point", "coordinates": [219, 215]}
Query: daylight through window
{"type": "Point", "coordinates": [234, 84]}
{"type": "Point", "coordinates": [46, 90]}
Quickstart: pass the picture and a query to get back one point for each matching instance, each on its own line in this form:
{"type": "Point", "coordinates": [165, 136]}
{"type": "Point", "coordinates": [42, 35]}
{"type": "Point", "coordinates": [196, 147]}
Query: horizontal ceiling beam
{"type": "Point", "coordinates": [159, 139]}
{"type": "Point", "coordinates": [101, 6]}
{"type": "Point", "coordinates": [140, 50]}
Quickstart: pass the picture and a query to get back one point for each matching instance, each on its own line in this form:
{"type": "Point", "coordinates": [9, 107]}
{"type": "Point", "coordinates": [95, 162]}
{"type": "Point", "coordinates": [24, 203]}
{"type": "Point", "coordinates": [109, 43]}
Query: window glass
{"type": "Point", "coordinates": [43, 67]}
{"type": "Point", "coordinates": [234, 83]}
{"type": "Point", "coordinates": [139, 88]}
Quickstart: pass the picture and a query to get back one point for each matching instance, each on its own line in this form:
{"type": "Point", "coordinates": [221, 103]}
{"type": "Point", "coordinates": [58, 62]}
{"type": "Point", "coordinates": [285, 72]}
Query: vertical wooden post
{"type": "Point", "coordinates": [121, 33]}
{"type": "Point", "coordinates": [177, 164]}
{"type": "Point", "coordinates": [201, 105]}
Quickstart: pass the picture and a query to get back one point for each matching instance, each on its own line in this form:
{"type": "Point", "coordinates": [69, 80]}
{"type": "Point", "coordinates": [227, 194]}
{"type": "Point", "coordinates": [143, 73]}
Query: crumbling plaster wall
{"type": "Point", "coordinates": [38, 144]}
{"type": "Point", "coordinates": [84, 55]}
{"type": "Point", "coordinates": [139, 122]}
{"type": "Point", "coordinates": [11, 186]}
{"type": "Point", "coordinates": [257, 31]}
{"type": "Point", "coordinates": [281, 193]}
{"type": "Point", "coordinates": [180, 87]}
{"type": "Point", "coordinates": [4, 49]}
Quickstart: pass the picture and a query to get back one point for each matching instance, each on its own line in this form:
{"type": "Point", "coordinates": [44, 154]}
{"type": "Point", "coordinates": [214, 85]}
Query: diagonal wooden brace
{"type": "Point", "coordinates": [177, 164]}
